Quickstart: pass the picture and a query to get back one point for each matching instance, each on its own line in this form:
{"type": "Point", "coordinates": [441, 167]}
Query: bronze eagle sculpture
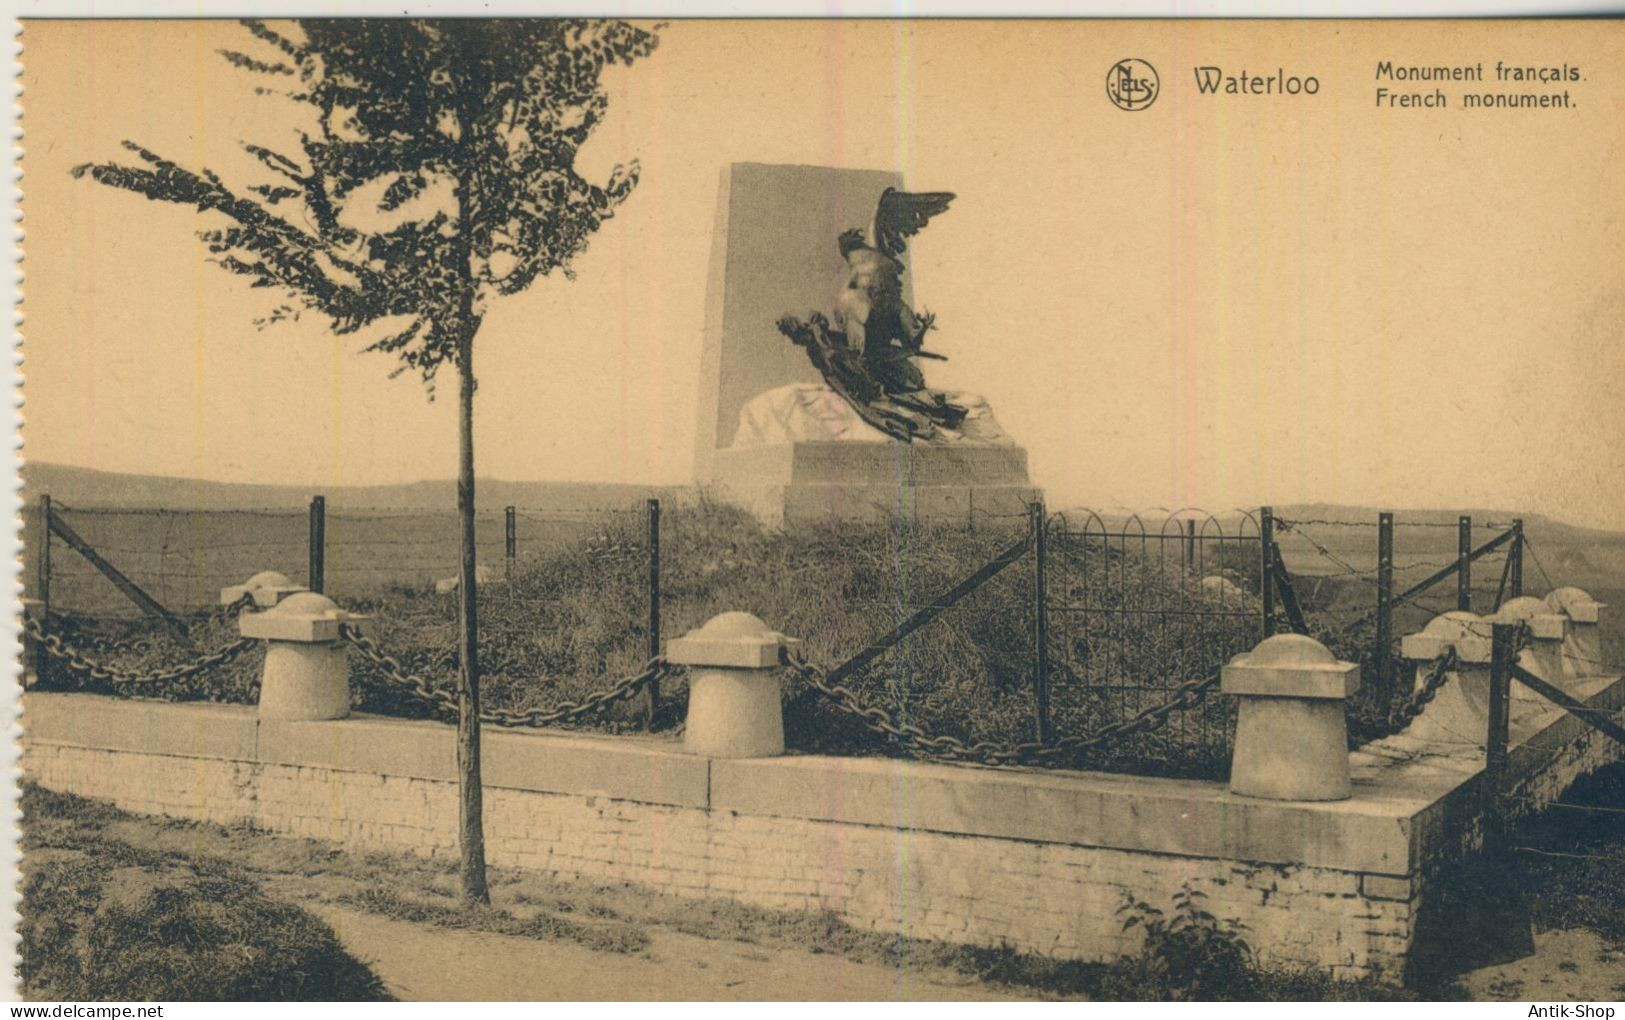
{"type": "Point", "coordinates": [866, 354]}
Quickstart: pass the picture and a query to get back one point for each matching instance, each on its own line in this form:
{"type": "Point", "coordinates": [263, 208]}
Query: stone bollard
{"type": "Point", "coordinates": [1547, 629]}
{"type": "Point", "coordinates": [734, 709]}
{"type": "Point", "coordinates": [267, 587]}
{"type": "Point", "coordinates": [1291, 733]}
{"type": "Point", "coordinates": [1468, 633]}
{"type": "Point", "coordinates": [1461, 709]}
{"type": "Point", "coordinates": [306, 677]}
{"type": "Point", "coordinates": [1582, 649]}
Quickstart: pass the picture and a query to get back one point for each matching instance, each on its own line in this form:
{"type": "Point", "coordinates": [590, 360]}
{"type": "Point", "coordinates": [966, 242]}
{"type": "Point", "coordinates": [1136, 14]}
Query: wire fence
{"type": "Point", "coordinates": [1138, 608]}
{"type": "Point", "coordinates": [1093, 642]}
{"type": "Point", "coordinates": [183, 558]}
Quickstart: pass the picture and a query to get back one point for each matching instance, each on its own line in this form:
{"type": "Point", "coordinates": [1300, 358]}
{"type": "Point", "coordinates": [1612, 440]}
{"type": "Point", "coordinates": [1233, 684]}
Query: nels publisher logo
{"type": "Point", "coordinates": [1132, 84]}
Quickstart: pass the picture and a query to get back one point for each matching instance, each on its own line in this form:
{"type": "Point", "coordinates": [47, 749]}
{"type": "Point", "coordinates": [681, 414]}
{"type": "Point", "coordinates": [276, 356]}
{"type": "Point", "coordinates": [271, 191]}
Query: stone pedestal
{"type": "Point", "coordinates": [1582, 647]}
{"type": "Point", "coordinates": [267, 588]}
{"type": "Point", "coordinates": [306, 677]}
{"type": "Point", "coordinates": [1291, 733]}
{"type": "Point", "coordinates": [734, 707]}
{"type": "Point", "coordinates": [1547, 630]}
{"type": "Point", "coordinates": [812, 480]}
{"type": "Point", "coordinates": [1460, 710]}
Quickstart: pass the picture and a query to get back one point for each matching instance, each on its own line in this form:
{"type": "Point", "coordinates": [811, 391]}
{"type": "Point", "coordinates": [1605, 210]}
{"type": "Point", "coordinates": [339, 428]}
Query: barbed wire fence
{"type": "Point", "coordinates": [632, 535]}
{"type": "Point", "coordinates": [184, 557]}
{"type": "Point", "coordinates": [181, 559]}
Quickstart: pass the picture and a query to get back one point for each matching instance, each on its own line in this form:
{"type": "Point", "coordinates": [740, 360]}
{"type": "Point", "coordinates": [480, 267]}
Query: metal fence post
{"type": "Point", "coordinates": [1495, 745]}
{"type": "Point", "coordinates": [1515, 584]}
{"type": "Point", "coordinates": [510, 545]}
{"type": "Point", "coordinates": [1464, 564]}
{"type": "Point", "coordinates": [1190, 546]}
{"type": "Point", "coordinates": [654, 602]}
{"type": "Point", "coordinates": [42, 582]}
{"type": "Point", "coordinates": [318, 543]}
{"type": "Point", "coordinates": [42, 577]}
{"type": "Point", "coordinates": [1040, 623]}
{"type": "Point", "coordinates": [1385, 604]}
{"type": "Point", "coordinates": [1266, 567]}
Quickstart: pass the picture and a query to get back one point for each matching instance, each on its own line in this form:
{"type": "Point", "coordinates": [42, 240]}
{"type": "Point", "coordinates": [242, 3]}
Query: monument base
{"type": "Point", "coordinates": [823, 480]}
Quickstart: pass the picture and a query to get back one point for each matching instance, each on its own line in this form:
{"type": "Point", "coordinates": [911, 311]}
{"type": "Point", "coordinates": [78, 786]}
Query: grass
{"type": "Point", "coordinates": [103, 919]}
{"type": "Point", "coordinates": [388, 901]}
{"type": "Point", "coordinates": [1136, 978]}
{"type": "Point", "coordinates": [1583, 889]}
{"type": "Point", "coordinates": [576, 619]}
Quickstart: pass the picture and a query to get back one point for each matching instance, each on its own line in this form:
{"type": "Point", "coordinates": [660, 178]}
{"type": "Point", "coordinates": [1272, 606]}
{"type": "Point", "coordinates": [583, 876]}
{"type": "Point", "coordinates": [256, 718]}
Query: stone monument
{"type": "Point", "coordinates": [836, 423]}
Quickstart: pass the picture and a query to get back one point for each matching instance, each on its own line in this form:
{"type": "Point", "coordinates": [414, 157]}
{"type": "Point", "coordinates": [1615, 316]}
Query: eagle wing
{"type": "Point", "coordinates": [901, 214]}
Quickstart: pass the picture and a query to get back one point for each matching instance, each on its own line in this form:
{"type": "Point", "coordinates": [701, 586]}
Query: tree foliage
{"type": "Point", "coordinates": [439, 173]}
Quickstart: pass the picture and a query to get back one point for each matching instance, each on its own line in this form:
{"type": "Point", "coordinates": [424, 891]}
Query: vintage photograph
{"type": "Point", "coordinates": [862, 510]}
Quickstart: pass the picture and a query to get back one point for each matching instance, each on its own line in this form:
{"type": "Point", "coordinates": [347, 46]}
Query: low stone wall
{"type": "Point", "coordinates": [1039, 860]}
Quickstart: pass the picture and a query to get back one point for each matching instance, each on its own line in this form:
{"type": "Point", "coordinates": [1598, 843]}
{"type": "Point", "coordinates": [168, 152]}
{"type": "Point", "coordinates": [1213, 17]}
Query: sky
{"type": "Point", "coordinates": [1215, 301]}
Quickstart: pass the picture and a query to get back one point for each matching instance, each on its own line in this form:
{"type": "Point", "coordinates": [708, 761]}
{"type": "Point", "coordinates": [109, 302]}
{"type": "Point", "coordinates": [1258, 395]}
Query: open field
{"type": "Point", "coordinates": [183, 558]}
{"type": "Point", "coordinates": [575, 616]}
{"type": "Point", "coordinates": [1427, 538]}
{"type": "Point", "coordinates": [183, 540]}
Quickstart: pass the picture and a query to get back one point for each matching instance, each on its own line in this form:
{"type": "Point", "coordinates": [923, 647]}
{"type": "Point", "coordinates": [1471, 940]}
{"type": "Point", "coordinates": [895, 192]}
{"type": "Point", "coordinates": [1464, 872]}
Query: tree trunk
{"type": "Point", "coordinates": [471, 812]}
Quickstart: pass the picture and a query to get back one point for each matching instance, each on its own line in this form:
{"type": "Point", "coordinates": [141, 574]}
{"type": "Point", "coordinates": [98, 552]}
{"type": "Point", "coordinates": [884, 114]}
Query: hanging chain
{"type": "Point", "coordinates": [1401, 716]}
{"type": "Point", "coordinates": [80, 663]}
{"type": "Point", "coordinates": [82, 626]}
{"type": "Point", "coordinates": [230, 611]}
{"type": "Point", "coordinates": [877, 719]}
{"type": "Point", "coordinates": [624, 688]}
{"type": "Point", "coordinates": [446, 700]}
{"type": "Point", "coordinates": [1187, 695]}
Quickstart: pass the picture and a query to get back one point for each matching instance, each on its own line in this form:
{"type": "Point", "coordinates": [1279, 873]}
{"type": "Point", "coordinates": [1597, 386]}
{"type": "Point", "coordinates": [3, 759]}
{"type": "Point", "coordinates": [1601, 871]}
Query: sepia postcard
{"type": "Point", "coordinates": [864, 510]}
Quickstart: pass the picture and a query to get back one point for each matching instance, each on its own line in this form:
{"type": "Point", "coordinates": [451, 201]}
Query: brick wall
{"type": "Point", "coordinates": [1040, 861]}
{"type": "Point", "coordinates": [1046, 898]}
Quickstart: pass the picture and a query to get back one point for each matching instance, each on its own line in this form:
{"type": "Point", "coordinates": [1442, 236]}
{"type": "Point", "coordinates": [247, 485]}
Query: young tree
{"type": "Point", "coordinates": [437, 172]}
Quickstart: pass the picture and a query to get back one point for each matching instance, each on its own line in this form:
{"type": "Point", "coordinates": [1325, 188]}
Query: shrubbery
{"type": "Point", "coordinates": [1189, 956]}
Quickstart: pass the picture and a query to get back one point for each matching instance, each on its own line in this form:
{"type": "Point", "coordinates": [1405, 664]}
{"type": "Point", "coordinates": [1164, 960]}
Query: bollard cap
{"type": "Point", "coordinates": [1223, 588]}
{"type": "Point", "coordinates": [1544, 624]}
{"type": "Point", "coordinates": [730, 640]}
{"type": "Point", "coordinates": [1290, 666]}
{"type": "Point", "coordinates": [1576, 604]}
{"type": "Point", "coordinates": [1468, 633]}
{"type": "Point", "coordinates": [482, 575]}
{"type": "Point", "coordinates": [307, 617]}
{"type": "Point", "coordinates": [268, 587]}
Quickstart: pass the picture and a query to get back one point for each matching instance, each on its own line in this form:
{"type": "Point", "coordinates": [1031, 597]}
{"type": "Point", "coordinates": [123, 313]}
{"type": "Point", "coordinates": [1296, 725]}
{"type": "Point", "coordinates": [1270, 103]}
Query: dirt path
{"type": "Point", "coordinates": [426, 962]}
{"type": "Point", "coordinates": [412, 961]}
{"type": "Point", "coordinates": [1568, 966]}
